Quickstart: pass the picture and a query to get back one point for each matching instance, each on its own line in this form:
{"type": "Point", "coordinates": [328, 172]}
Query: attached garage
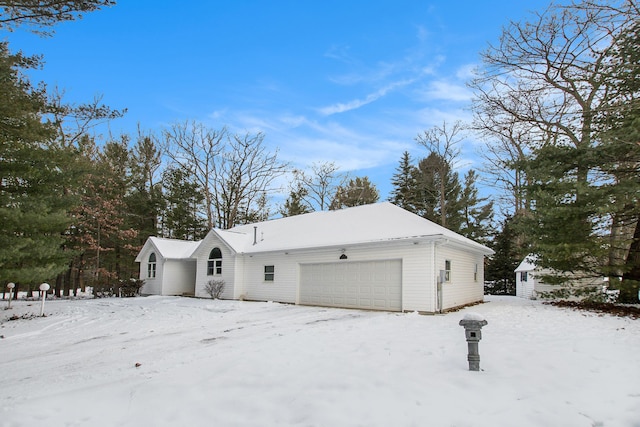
{"type": "Point", "coordinates": [371, 285]}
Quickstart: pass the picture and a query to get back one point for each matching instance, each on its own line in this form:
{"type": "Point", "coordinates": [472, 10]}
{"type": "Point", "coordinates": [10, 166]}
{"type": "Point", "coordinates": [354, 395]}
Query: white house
{"type": "Point", "coordinates": [377, 256]}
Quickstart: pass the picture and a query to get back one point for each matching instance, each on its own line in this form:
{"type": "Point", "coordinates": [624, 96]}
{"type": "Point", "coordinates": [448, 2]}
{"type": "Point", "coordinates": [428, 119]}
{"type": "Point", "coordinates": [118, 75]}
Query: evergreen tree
{"type": "Point", "coordinates": [41, 14]}
{"type": "Point", "coordinates": [33, 197]}
{"type": "Point", "coordinates": [439, 192]}
{"type": "Point", "coordinates": [295, 205]}
{"type": "Point", "coordinates": [145, 201]}
{"type": "Point", "coordinates": [184, 202]}
{"type": "Point", "coordinates": [104, 239]}
{"type": "Point", "coordinates": [357, 192]}
{"type": "Point", "coordinates": [404, 183]}
{"type": "Point", "coordinates": [500, 269]}
{"type": "Point", "coordinates": [619, 153]}
{"type": "Point", "coordinates": [477, 211]}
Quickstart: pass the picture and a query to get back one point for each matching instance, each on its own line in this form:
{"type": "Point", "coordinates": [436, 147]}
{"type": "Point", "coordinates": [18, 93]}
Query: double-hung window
{"type": "Point", "coordinates": [269, 273]}
{"type": "Point", "coordinates": [214, 263]}
{"type": "Point", "coordinates": [151, 266]}
{"type": "Point", "coordinates": [447, 271]}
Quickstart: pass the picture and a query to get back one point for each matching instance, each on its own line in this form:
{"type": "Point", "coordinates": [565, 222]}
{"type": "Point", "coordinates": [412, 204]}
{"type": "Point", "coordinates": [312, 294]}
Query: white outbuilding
{"type": "Point", "coordinates": [377, 257]}
{"type": "Point", "coordinates": [527, 284]}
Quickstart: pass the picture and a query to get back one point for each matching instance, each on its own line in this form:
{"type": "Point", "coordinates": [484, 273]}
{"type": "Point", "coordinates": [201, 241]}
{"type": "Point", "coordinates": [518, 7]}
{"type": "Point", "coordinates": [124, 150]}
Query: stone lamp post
{"type": "Point", "coordinates": [473, 324]}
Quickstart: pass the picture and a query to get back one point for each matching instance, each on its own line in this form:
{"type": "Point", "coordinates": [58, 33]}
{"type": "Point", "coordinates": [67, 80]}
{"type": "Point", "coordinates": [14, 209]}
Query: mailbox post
{"type": "Point", "coordinates": [10, 286]}
{"type": "Point", "coordinates": [43, 288]}
{"type": "Point", "coordinates": [473, 324]}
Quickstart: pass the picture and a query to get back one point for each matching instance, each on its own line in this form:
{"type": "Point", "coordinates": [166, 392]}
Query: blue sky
{"type": "Point", "coordinates": [348, 81]}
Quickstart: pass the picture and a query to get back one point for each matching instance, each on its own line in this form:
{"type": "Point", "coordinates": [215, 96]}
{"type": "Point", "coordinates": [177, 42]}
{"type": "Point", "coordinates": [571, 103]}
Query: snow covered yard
{"type": "Point", "coordinates": [231, 363]}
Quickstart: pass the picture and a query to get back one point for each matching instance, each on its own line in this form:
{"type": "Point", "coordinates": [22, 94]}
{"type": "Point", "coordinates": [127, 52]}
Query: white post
{"type": "Point", "coordinates": [43, 288]}
{"type": "Point", "coordinates": [10, 286]}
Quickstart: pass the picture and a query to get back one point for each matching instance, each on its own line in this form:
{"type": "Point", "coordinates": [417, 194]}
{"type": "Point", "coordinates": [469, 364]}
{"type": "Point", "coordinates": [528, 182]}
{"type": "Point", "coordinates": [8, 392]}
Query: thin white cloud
{"type": "Point", "coordinates": [444, 90]}
{"type": "Point", "coordinates": [342, 107]}
{"type": "Point", "coordinates": [466, 72]}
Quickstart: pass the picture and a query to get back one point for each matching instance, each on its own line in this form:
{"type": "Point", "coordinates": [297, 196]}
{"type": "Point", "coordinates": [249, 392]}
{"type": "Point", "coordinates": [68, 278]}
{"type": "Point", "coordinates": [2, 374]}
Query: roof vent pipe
{"type": "Point", "coordinates": [255, 234]}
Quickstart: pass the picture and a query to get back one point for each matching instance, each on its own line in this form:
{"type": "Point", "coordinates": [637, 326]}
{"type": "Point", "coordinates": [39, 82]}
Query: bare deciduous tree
{"type": "Point", "coordinates": [442, 143]}
{"type": "Point", "coordinates": [243, 175]}
{"type": "Point", "coordinates": [235, 171]}
{"type": "Point", "coordinates": [319, 185]}
{"type": "Point", "coordinates": [195, 148]}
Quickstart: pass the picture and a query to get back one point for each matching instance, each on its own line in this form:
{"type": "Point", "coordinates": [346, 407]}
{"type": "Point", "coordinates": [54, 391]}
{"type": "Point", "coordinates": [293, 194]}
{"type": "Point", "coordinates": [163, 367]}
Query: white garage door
{"type": "Point", "coordinates": [372, 285]}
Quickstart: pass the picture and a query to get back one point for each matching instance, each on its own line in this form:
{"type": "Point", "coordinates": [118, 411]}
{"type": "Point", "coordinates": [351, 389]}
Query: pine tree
{"type": "Point", "coordinates": [357, 192]}
{"type": "Point", "coordinates": [145, 201]}
{"type": "Point", "coordinates": [33, 197]}
{"type": "Point", "coordinates": [500, 270]}
{"type": "Point", "coordinates": [184, 202]}
{"type": "Point", "coordinates": [619, 152]}
{"type": "Point", "coordinates": [404, 183]}
{"type": "Point", "coordinates": [439, 192]}
{"type": "Point", "coordinates": [477, 211]}
{"type": "Point", "coordinates": [295, 205]}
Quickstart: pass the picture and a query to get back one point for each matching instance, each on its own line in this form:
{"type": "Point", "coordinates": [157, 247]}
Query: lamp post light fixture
{"type": "Point", "coordinates": [473, 324]}
{"type": "Point", "coordinates": [43, 288]}
{"type": "Point", "coordinates": [10, 286]}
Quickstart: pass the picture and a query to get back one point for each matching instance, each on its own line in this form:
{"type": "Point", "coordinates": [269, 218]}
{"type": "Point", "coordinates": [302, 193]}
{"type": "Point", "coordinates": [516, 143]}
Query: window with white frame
{"type": "Point", "coordinates": [151, 266]}
{"type": "Point", "coordinates": [269, 273]}
{"type": "Point", "coordinates": [524, 276]}
{"type": "Point", "coordinates": [214, 263]}
{"type": "Point", "coordinates": [447, 270]}
{"type": "Point", "coordinates": [475, 273]}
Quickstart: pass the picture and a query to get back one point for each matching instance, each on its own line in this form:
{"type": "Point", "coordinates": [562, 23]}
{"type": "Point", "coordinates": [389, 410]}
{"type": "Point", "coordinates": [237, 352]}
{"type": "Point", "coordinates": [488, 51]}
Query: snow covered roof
{"type": "Point", "coordinates": [527, 264]}
{"type": "Point", "coordinates": [380, 222]}
{"type": "Point", "coordinates": [170, 248]}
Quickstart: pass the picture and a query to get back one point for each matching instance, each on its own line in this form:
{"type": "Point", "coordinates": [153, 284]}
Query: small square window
{"type": "Point", "coordinates": [269, 273]}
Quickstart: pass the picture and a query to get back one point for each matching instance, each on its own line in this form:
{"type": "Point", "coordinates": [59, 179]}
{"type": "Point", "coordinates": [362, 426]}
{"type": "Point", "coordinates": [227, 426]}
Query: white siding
{"type": "Point", "coordinates": [178, 277]}
{"type": "Point", "coordinates": [152, 286]}
{"type": "Point", "coordinates": [525, 289]}
{"type": "Point", "coordinates": [228, 268]}
{"type": "Point", "coordinates": [462, 288]}
{"type": "Point", "coordinates": [417, 276]}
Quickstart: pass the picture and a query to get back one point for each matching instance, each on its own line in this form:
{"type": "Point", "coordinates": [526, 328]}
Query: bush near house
{"type": "Point", "coordinates": [122, 288]}
{"type": "Point", "coordinates": [214, 288]}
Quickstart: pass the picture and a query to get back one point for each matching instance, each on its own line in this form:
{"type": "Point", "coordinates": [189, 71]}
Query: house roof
{"type": "Point", "coordinates": [169, 248]}
{"type": "Point", "coordinates": [380, 222]}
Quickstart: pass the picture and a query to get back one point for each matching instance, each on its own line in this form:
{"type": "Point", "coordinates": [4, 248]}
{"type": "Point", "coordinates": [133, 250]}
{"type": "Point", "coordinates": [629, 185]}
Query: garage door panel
{"type": "Point", "coordinates": [373, 285]}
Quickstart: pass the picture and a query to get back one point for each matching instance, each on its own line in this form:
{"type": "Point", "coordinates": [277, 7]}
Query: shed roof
{"type": "Point", "coordinates": [527, 264]}
{"type": "Point", "coordinates": [380, 222]}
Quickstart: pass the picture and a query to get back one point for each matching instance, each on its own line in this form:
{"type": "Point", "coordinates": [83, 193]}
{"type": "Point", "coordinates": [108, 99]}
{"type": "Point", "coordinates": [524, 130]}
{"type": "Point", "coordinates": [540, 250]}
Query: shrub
{"type": "Point", "coordinates": [214, 288]}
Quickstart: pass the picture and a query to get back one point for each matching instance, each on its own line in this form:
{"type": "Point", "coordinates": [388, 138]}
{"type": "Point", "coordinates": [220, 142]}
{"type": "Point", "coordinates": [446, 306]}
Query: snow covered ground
{"type": "Point", "coordinates": [169, 361]}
